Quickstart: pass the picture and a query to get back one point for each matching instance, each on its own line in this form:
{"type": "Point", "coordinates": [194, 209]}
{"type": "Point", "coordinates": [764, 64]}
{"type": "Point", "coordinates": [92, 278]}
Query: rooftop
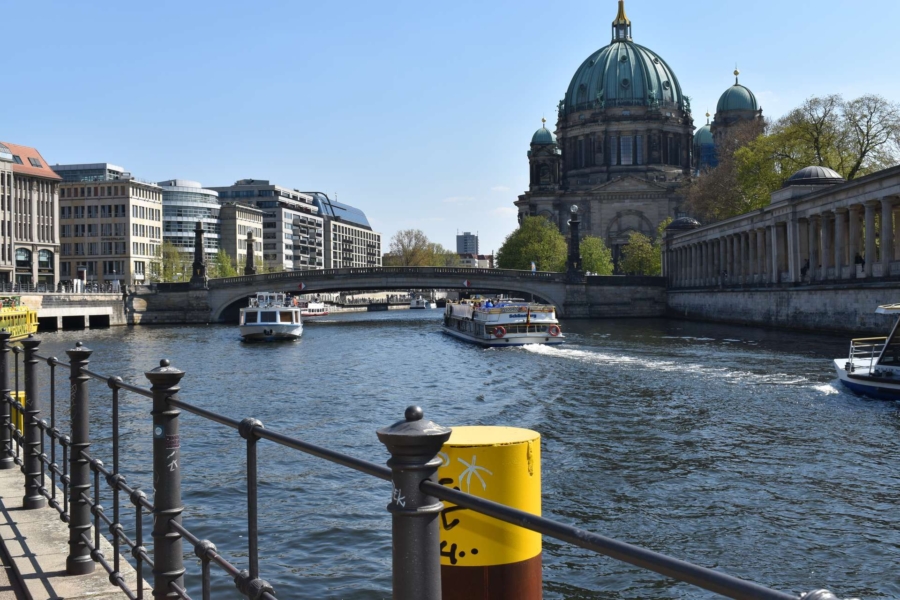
{"type": "Point", "coordinates": [28, 161]}
{"type": "Point", "coordinates": [342, 212]}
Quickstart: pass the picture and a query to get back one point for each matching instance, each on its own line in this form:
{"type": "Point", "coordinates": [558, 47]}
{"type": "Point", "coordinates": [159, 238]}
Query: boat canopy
{"type": "Point", "coordinates": [888, 309]}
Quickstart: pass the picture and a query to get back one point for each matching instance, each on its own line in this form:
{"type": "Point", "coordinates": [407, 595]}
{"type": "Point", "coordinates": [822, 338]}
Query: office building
{"type": "Point", "coordinates": [110, 225]}
{"type": "Point", "coordinates": [29, 227]}
{"type": "Point", "coordinates": [467, 243]}
{"type": "Point", "coordinates": [236, 220]}
{"type": "Point", "coordinates": [7, 269]}
{"type": "Point", "coordinates": [292, 228]}
{"type": "Point", "coordinates": [349, 239]}
{"type": "Point", "coordinates": [184, 204]}
{"type": "Point", "coordinates": [477, 261]}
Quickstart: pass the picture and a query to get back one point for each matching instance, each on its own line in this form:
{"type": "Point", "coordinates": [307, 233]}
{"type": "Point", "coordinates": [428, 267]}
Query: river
{"type": "Point", "coordinates": [730, 447]}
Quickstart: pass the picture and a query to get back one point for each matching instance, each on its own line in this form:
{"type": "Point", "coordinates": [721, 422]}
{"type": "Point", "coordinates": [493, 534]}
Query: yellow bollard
{"type": "Point", "coordinates": [482, 557]}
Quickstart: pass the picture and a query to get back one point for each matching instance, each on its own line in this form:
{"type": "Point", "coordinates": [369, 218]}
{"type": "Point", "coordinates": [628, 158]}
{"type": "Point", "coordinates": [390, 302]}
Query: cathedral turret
{"type": "Point", "coordinates": [545, 159]}
{"type": "Point", "coordinates": [621, 27]}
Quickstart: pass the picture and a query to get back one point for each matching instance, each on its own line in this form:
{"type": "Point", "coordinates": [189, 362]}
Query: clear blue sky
{"type": "Point", "coordinates": [419, 113]}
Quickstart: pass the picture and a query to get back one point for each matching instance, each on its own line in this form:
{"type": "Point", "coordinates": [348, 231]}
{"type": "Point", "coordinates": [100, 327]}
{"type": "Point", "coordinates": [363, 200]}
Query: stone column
{"type": "Point", "coordinates": [763, 254]}
{"type": "Point", "coordinates": [854, 238]}
{"type": "Point", "coordinates": [825, 251]}
{"type": "Point", "coordinates": [870, 236]}
{"type": "Point", "coordinates": [751, 256]}
{"type": "Point", "coordinates": [840, 250]}
{"type": "Point", "coordinates": [813, 247]}
{"type": "Point", "coordinates": [693, 265]}
{"type": "Point", "coordinates": [745, 257]}
{"type": "Point", "coordinates": [887, 235]}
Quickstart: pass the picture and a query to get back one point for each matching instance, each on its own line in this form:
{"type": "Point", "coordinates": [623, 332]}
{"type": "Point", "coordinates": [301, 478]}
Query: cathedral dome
{"type": "Point", "coordinates": [703, 137]}
{"type": "Point", "coordinates": [737, 97]}
{"type": "Point", "coordinates": [814, 176]}
{"type": "Point", "coordinates": [623, 74]}
{"type": "Point", "coordinates": [543, 136]}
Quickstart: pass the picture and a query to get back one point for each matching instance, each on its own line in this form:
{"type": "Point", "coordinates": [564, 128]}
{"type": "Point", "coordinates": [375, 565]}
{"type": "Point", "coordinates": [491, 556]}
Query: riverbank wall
{"type": "Point", "coordinates": [847, 309]}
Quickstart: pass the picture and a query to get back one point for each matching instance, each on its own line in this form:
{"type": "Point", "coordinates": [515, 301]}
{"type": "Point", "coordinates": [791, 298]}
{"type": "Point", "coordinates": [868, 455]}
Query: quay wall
{"type": "Point", "coordinates": [834, 308]}
{"type": "Point", "coordinates": [616, 297]}
{"type": "Point", "coordinates": [59, 311]}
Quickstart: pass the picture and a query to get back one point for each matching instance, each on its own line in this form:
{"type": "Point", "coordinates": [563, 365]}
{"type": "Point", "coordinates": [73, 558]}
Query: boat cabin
{"type": "Point", "coordinates": [270, 308]}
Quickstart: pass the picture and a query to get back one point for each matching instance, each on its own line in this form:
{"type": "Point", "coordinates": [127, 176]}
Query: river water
{"type": "Point", "coordinates": [729, 447]}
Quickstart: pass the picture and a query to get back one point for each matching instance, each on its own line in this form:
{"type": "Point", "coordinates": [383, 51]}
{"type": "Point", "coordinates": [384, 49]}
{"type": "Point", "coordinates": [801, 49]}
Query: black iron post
{"type": "Point", "coordinates": [414, 444]}
{"type": "Point", "coordinates": [573, 264]}
{"type": "Point", "coordinates": [168, 563]}
{"type": "Point", "coordinates": [6, 458]}
{"type": "Point", "coordinates": [250, 268]}
{"type": "Point", "coordinates": [33, 497]}
{"type": "Point", "coordinates": [79, 561]}
{"type": "Point", "coordinates": [198, 275]}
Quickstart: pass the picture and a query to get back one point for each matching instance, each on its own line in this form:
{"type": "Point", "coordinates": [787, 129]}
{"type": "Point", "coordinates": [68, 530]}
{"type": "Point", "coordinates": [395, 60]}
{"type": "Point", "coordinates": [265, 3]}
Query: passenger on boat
{"type": "Point", "coordinates": [489, 304]}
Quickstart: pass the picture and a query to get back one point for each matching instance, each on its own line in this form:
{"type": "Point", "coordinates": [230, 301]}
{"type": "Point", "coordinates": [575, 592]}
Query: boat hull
{"type": "Point", "coordinates": [270, 332]}
{"type": "Point", "coordinates": [510, 340]}
{"type": "Point", "coordinates": [879, 388]}
{"type": "Point", "coordinates": [310, 315]}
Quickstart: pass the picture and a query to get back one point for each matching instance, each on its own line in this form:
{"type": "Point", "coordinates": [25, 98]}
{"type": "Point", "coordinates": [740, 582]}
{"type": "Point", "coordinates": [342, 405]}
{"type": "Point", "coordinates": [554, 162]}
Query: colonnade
{"type": "Point", "coordinates": [832, 244]}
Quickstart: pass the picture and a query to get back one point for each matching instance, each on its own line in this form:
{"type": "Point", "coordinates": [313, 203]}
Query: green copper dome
{"type": "Point", "coordinates": [623, 74]}
{"type": "Point", "coordinates": [703, 136]}
{"type": "Point", "coordinates": [737, 97]}
{"type": "Point", "coordinates": [543, 136]}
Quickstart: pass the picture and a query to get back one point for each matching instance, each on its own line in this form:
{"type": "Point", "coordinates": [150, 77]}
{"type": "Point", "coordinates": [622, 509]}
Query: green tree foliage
{"type": "Point", "coordinates": [595, 256]}
{"type": "Point", "coordinates": [442, 257]}
{"type": "Point", "coordinates": [222, 266]}
{"type": "Point", "coordinates": [538, 240]}
{"type": "Point", "coordinates": [410, 248]}
{"type": "Point", "coordinates": [170, 264]}
{"type": "Point", "coordinates": [640, 256]}
{"type": "Point", "coordinates": [854, 138]}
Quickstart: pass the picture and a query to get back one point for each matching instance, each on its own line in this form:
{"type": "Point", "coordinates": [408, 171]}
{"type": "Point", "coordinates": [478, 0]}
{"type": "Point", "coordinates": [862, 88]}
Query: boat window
{"type": "Point", "coordinates": [891, 354]}
{"type": "Point", "coordinates": [268, 316]}
{"type": "Point", "coordinates": [250, 317]}
{"type": "Point", "coordinates": [285, 316]}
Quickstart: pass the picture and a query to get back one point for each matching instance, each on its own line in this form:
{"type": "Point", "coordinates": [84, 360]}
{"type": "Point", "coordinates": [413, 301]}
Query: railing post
{"type": "Point", "coordinates": [79, 561]}
{"type": "Point", "coordinates": [168, 563]}
{"type": "Point", "coordinates": [414, 444]}
{"type": "Point", "coordinates": [33, 497]}
{"type": "Point", "coordinates": [6, 459]}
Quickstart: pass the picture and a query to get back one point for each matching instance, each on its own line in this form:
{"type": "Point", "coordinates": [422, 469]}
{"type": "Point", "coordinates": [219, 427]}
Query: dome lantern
{"type": "Point", "coordinates": [621, 27]}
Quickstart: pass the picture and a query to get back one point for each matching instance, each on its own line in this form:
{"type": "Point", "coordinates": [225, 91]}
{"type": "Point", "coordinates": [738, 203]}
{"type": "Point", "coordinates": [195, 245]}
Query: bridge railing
{"type": "Point", "coordinates": [415, 506]}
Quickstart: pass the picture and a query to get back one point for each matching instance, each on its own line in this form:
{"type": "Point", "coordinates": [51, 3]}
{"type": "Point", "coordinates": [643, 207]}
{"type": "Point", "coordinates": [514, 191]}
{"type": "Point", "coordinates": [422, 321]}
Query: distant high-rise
{"type": "Point", "coordinates": [467, 243]}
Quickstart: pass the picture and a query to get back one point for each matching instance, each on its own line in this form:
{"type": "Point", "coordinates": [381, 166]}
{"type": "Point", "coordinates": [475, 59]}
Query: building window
{"type": "Point", "coordinates": [639, 149]}
{"type": "Point", "coordinates": [45, 260]}
{"type": "Point", "coordinates": [627, 150]}
{"type": "Point", "coordinates": [613, 153]}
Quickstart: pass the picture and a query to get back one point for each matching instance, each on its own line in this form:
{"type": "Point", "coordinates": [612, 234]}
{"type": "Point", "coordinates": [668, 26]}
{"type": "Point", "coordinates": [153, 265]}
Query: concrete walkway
{"type": "Point", "coordinates": [36, 542]}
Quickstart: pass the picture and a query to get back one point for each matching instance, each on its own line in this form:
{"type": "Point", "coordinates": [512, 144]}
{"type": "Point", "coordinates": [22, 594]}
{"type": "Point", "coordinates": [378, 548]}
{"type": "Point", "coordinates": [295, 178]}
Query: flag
{"type": "Point", "coordinates": [466, 283]}
{"type": "Point", "coordinates": [302, 286]}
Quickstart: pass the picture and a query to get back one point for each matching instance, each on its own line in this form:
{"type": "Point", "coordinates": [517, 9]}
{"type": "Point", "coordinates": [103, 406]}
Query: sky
{"type": "Point", "coordinates": [418, 113]}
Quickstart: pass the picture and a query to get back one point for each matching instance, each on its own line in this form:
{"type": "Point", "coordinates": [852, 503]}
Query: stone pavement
{"type": "Point", "coordinates": [36, 542]}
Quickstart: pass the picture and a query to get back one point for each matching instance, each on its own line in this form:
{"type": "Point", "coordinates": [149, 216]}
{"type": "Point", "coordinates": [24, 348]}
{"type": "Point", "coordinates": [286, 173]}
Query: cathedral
{"type": "Point", "coordinates": [624, 145]}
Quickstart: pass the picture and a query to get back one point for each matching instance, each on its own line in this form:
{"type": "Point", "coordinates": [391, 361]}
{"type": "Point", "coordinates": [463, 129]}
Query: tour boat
{"type": "Point", "coordinates": [16, 318]}
{"type": "Point", "coordinates": [419, 302]}
{"type": "Point", "coordinates": [873, 367]}
{"type": "Point", "coordinates": [505, 323]}
{"type": "Point", "coordinates": [270, 316]}
{"type": "Point", "coordinates": [313, 309]}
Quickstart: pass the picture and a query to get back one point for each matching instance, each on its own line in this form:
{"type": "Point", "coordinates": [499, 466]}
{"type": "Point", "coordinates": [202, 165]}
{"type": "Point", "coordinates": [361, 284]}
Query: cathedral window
{"type": "Point", "coordinates": [581, 153]}
{"type": "Point", "coordinates": [627, 150]}
{"type": "Point", "coordinates": [613, 150]}
{"type": "Point", "coordinates": [639, 149]}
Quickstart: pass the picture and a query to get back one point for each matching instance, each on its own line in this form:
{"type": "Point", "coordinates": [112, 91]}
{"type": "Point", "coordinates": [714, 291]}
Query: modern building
{"type": "Point", "coordinates": [91, 172]}
{"type": "Point", "coordinates": [349, 239]}
{"type": "Point", "coordinates": [476, 261]}
{"type": "Point", "coordinates": [236, 220]}
{"type": "Point", "coordinates": [293, 235]}
{"type": "Point", "coordinates": [110, 225]}
{"type": "Point", "coordinates": [29, 227]}
{"type": "Point", "coordinates": [622, 147]}
{"type": "Point", "coordinates": [467, 243]}
{"type": "Point", "coordinates": [184, 204]}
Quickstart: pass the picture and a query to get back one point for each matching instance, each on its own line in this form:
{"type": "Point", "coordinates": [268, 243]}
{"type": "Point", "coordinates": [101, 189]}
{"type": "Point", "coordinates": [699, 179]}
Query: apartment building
{"type": "Point", "coordinates": [236, 220]}
{"type": "Point", "coordinates": [292, 227]}
{"type": "Point", "coordinates": [349, 239]}
{"type": "Point", "coordinates": [110, 225]}
{"type": "Point", "coordinates": [29, 225]}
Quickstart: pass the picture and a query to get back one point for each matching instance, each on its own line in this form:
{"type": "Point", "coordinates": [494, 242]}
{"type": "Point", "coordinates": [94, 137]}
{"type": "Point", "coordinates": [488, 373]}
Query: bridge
{"type": "Point", "coordinates": [215, 300]}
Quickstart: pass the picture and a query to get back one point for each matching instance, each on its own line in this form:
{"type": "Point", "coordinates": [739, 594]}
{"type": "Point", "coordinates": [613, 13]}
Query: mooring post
{"type": "Point", "coordinates": [168, 562]}
{"type": "Point", "coordinates": [6, 457]}
{"type": "Point", "coordinates": [414, 444]}
{"type": "Point", "coordinates": [79, 561]}
{"type": "Point", "coordinates": [33, 497]}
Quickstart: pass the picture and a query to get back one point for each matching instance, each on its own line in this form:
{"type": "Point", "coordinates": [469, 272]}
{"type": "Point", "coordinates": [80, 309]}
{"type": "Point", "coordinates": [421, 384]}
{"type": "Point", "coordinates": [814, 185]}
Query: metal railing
{"type": "Point", "coordinates": [864, 350]}
{"type": "Point", "coordinates": [415, 505]}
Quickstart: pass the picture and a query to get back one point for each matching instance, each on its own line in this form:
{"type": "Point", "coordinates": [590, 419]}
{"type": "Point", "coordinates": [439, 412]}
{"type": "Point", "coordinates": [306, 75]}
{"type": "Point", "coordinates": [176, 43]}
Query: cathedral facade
{"type": "Point", "coordinates": [624, 144]}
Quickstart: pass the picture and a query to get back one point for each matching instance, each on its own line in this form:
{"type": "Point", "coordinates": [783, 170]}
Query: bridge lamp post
{"type": "Point", "coordinates": [573, 264]}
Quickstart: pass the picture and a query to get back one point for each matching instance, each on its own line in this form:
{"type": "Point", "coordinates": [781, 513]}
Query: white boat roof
{"type": "Point", "coordinates": [888, 309]}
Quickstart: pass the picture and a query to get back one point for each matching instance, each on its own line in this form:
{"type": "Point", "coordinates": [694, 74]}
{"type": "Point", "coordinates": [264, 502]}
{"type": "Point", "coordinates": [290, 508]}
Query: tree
{"type": "Point", "coordinates": [441, 257]}
{"type": "Point", "coordinates": [538, 240]}
{"type": "Point", "coordinates": [595, 256]}
{"type": "Point", "coordinates": [640, 257]}
{"type": "Point", "coordinates": [222, 266]}
{"type": "Point", "coordinates": [410, 248]}
{"type": "Point", "coordinates": [172, 263]}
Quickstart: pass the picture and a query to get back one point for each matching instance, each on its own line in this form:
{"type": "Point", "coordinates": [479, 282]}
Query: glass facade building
{"type": "Point", "coordinates": [184, 204]}
{"type": "Point", "coordinates": [349, 239]}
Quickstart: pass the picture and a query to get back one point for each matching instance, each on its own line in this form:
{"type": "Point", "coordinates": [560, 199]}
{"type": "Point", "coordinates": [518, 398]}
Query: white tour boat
{"type": "Point", "coordinates": [506, 323]}
{"type": "Point", "coordinates": [873, 367]}
{"type": "Point", "coordinates": [270, 316]}
{"type": "Point", "coordinates": [313, 309]}
{"type": "Point", "coordinates": [419, 302]}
